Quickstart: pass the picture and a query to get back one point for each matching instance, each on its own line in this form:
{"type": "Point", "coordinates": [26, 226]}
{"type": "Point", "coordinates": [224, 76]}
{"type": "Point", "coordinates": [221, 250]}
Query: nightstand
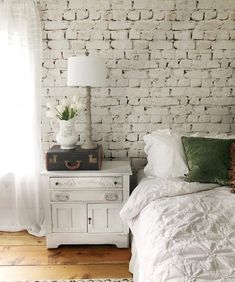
{"type": "Point", "coordinates": [82, 207]}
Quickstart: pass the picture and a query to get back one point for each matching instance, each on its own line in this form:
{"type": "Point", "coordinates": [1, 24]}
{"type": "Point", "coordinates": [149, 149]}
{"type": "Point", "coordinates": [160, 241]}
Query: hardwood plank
{"type": "Point", "coordinates": [25, 257]}
{"type": "Point", "coordinates": [21, 240]}
{"type": "Point", "coordinates": [40, 255]}
{"type": "Point", "coordinates": [18, 233]}
{"type": "Point", "coordinates": [9, 273]}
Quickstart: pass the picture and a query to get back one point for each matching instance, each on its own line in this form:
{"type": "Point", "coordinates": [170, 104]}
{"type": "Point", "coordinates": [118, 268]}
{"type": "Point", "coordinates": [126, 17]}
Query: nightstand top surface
{"type": "Point", "coordinates": [108, 168]}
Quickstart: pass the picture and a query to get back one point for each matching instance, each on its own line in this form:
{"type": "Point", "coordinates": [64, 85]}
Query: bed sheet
{"type": "Point", "coordinates": [182, 231]}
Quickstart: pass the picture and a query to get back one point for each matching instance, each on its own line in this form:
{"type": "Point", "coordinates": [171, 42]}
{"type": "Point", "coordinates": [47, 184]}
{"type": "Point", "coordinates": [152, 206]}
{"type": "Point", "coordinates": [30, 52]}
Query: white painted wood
{"type": "Point", "coordinates": [126, 193]}
{"type": "Point", "coordinates": [119, 239]}
{"type": "Point", "coordinates": [109, 168]}
{"type": "Point", "coordinates": [75, 198]}
{"type": "Point", "coordinates": [87, 196]}
{"type": "Point", "coordinates": [46, 203]}
{"type": "Point", "coordinates": [104, 218]}
{"type": "Point", "coordinates": [69, 217]}
{"type": "Point", "coordinates": [86, 182]}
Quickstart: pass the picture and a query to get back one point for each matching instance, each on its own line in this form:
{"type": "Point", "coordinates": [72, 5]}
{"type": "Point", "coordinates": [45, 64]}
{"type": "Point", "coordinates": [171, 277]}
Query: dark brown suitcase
{"type": "Point", "coordinates": [74, 159]}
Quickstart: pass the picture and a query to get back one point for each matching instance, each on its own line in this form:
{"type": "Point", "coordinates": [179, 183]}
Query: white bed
{"type": "Point", "coordinates": [181, 231]}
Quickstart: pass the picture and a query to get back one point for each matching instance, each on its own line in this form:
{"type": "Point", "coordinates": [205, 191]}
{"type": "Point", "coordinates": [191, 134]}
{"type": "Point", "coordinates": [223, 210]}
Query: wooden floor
{"type": "Point", "coordinates": [25, 257]}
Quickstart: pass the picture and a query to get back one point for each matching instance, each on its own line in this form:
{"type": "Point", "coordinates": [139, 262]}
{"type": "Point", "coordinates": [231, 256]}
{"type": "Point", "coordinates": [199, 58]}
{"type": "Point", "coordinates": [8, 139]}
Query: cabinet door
{"type": "Point", "coordinates": [104, 218]}
{"type": "Point", "coordinates": [69, 217]}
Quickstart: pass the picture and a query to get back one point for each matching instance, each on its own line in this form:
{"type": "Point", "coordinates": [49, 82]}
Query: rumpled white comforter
{"type": "Point", "coordinates": [183, 231]}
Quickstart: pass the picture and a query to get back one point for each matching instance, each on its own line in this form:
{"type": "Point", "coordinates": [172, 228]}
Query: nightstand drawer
{"type": "Point", "coordinates": [87, 196]}
{"type": "Point", "coordinates": [86, 182]}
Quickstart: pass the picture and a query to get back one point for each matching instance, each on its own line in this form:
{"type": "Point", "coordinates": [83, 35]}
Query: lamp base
{"type": "Point", "coordinates": [89, 145]}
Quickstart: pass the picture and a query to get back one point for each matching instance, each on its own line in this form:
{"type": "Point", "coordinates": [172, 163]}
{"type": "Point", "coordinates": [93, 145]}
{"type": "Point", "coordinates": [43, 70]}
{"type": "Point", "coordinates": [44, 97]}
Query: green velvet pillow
{"type": "Point", "coordinates": [209, 160]}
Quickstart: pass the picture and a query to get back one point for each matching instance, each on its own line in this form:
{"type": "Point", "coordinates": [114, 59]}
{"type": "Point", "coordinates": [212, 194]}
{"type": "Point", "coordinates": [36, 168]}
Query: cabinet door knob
{"type": "Point", "coordinates": [89, 220]}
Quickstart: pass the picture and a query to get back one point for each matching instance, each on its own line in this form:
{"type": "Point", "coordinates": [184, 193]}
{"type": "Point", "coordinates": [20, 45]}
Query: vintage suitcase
{"type": "Point", "coordinates": [74, 159]}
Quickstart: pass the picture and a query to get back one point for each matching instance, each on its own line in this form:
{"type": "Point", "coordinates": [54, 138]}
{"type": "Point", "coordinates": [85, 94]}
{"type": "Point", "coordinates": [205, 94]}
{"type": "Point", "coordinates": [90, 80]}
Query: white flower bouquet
{"type": "Point", "coordinates": [68, 109]}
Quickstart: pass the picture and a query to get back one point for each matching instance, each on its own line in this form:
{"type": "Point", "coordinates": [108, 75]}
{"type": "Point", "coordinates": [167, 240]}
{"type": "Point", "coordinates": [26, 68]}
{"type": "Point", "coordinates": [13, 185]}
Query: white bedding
{"type": "Point", "coordinates": [182, 231]}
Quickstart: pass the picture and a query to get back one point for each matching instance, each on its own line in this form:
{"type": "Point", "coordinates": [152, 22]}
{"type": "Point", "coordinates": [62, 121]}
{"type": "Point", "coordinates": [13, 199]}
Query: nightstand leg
{"type": "Point", "coordinates": [51, 244]}
{"type": "Point", "coordinates": [124, 243]}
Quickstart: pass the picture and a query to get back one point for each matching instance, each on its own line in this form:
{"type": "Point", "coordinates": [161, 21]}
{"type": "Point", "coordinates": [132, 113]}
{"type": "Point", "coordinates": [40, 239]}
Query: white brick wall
{"type": "Point", "coordinates": [171, 64]}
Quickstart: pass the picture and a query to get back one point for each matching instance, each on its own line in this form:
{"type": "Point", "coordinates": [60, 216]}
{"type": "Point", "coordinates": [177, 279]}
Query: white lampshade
{"type": "Point", "coordinates": [86, 71]}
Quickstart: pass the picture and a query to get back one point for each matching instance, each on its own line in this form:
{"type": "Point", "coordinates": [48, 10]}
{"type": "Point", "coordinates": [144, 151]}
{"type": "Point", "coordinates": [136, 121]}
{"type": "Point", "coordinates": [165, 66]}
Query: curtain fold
{"type": "Point", "coordinates": [20, 140]}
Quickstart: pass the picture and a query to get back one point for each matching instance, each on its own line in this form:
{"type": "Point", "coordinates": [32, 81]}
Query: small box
{"type": "Point", "coordinates": [74, 159]}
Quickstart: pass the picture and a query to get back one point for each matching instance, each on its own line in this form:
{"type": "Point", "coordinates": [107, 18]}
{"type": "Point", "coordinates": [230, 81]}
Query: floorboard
{"type": "Point", "coordinates": [25, 257]}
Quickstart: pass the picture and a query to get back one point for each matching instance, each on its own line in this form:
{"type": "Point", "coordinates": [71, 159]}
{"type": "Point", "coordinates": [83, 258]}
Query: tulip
{"type": "Point", "coordinates": [61, 108]}
{"type": "Point", "coordinates": [79, 106]}
{"type": "Point", "coordinates": [65, 103]}
{"type": "Point", "coordinates": [67, 109]}
{"type": "Point", "coordinates": [51, 114]}
{"type": "Point", "coordinates": [75, 99]}
{"type": "Point", "coordinates": [49, 105]}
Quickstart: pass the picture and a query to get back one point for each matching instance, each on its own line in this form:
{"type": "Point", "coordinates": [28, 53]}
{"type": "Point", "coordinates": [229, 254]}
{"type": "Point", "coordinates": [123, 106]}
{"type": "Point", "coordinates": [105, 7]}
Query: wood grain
{"type": "Point", "coordinates": [21, 240]}
{"type": "Point", "coordinates": [8, 273]}
{"type": "Point", "coordinates": [39, 255]}
{"type": "Point", "coordinates": [25, 257]}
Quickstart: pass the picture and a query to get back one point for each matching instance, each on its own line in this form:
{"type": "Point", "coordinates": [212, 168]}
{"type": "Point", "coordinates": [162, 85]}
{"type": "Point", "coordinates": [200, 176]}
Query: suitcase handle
{"type": "Point", "coordinates": [74, 166]}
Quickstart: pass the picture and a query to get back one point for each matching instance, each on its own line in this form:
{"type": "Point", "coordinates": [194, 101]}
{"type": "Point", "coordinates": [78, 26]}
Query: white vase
{"type": "Point", "coordinates": [67, 137]}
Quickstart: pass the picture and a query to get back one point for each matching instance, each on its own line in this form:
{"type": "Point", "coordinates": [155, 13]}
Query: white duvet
{"type": "Point", "coordinates": [183, 231]}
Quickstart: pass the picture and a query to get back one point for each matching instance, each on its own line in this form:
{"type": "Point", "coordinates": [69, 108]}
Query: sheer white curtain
{"type": "Point", "coordinates": [20, 153]}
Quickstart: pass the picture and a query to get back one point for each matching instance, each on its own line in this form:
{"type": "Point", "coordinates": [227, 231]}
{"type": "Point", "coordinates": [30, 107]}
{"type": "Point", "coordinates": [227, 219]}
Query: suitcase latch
{"type": "Point", "coordinates": [92, 159]}
{"type": "Point", "coordinates": [53, 159]}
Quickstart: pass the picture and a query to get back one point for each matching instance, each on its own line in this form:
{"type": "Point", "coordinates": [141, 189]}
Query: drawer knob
{"type": "Point", "coordinates": [111, 196]}
{"type": "Point", "coordinates": [115, 183]}
{"type": "Point", "coordinates": [57, 183]}
{"type": "Point", "coordinates": [62, 197]}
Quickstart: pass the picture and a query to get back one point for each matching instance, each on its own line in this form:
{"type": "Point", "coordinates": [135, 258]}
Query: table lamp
{"type": "Point", "coordinates": [88, 71]}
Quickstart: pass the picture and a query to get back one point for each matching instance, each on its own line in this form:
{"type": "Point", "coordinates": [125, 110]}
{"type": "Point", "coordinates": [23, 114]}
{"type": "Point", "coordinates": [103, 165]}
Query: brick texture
{"type": "Point", "coordinates": [171, 64]}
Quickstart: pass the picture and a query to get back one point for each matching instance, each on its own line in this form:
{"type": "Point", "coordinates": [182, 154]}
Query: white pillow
{"type": "Point", "coordinates": [165, 154]}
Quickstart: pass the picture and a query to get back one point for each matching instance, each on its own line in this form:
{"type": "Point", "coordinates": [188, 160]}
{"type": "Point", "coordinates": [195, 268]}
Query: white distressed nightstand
{"type": "Point", "coordinates": [82, 207]}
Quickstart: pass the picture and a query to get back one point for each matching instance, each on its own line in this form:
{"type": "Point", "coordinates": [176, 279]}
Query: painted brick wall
{"type": "Point", "coordinates": [171, 64]}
